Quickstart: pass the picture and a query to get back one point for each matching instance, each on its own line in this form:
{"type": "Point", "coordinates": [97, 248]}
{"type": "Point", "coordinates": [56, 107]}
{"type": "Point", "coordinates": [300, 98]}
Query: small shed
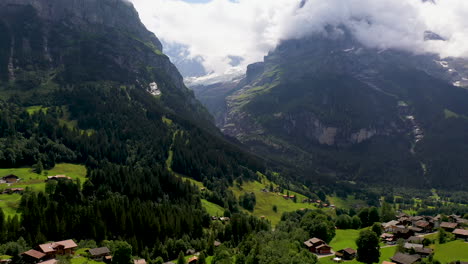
{"type": "Point", "coordinates": [99, 253]}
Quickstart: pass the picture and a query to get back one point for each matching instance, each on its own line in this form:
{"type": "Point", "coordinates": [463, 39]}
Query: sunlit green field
{"type": "Point", "coordinates": [36, 182]}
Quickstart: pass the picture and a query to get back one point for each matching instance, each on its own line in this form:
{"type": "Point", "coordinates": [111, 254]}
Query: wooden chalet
{"type": "Point", "coordinates": [65, 247]}
{"type": "Point", "coordinates": [346, 254]}
{"type": "Point", "coordinates": [424, 252]}
{"type": "Point", "coordinates": [448, 226]}
{"type": "Point", "coordinates": [461, 233]}
{"type": "Point", "coordinates": [58, 177]}
{"type": "Point", "coordinates": [50, 261]}
{"type": "Point", "coordinates": [316, 245]}
{"type": "Point", "coordinates": [99, 253]}
{"type": "Point", "coordinates": [386, 237]}
{"type": "Point", "coordinates": [416, 240]}
{"type": "Point", "coordinates": [424, 225]}
{"type": "Point", "coordinates": [391, 226]}
{"type": "Point", "coordinates": [10, 178]}
{"type": "Point", "coordinates": [401, 258]}
{"type": "Point", "coordinates": [13, 190]}
{"type": "Point", "coordinates": [33, 256]}
{"type": "Point", "coordinates": [139, 261]}
{"type": "Point", "coordinates": [192, 260]}
{"type": "Point", "coordinates": [404, 233]}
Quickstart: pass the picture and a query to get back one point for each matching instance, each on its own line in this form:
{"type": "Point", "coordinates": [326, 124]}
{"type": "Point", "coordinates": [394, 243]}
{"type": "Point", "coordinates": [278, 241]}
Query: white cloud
{"type": "Point", "coordinates": [250, 28]}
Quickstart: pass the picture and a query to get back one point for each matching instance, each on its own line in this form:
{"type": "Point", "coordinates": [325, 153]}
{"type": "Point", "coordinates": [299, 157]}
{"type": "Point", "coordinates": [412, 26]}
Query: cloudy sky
{"type": "Point", "coordinates": [216, 31]}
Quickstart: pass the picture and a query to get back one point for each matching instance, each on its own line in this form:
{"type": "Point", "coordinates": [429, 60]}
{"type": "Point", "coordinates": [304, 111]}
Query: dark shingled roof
{"type": "Point", "coordinates": [448, 225]}
{"type": "Point", "coordinates": [405, 258]}
{"type": "Point", "coordinates": [99, 251]}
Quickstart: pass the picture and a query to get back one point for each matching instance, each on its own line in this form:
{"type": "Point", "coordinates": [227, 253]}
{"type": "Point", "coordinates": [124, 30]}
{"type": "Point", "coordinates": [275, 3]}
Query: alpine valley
{"type": "Point", "coordinates": [107, 157]}
{"type": "Point", "coordinates": [330, 108]}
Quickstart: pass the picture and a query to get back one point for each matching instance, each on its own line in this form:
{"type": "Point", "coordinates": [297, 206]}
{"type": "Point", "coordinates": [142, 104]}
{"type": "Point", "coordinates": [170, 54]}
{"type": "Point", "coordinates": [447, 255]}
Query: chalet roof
{"type": "Point", "coordinates": [99, 251]}
{"type": "Point", "coordinates": [416, 218]}
{"type": "Point", "coordinates": [402, 230]}
{"type": "Point", "coordinates": [385, 235]}
{"type": "Point", "coordinates": [415, 239]}
{"type": "Point", "coordinates": [391, 223]}
{"type": "Point", "coordinates": [10, 176]}
{"type": "Point", "coordinates": [411, 245]}
{"type": "Point", "coordinates": [349, 251]}
{"type": "Point", "coordinates": [313, 241]}
{"type": "Point", "coordinates": [422, 223]}
{"type": "Point", "coordinates": [424, 251]}
{"type": "Point", "coordinates": [139, 261]}
{"type": "Point", "coordinates": [50, 261]}
{"type": "Point", "coordinates": [34, 254]}
{"type": "Point", "coordinates": [323, 246]}
{"type": "Point", "coordinates": [461, 232]}
{"type": "Point", "coordinates": [217, 243]}
{"type": "Point", "coordinates": [415, 229]}
{"type": "Point", "coordinates": [50, 247]}
{"type": "Point", "coordinates": [405, 258]}
{"type": "Point", "coordinates": [190, 260]}
{"type": "Point", "coordinates": [448, 225]}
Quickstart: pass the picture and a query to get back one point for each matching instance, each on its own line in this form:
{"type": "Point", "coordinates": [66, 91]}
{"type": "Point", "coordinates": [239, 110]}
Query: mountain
{"type": "Point", "coordinates": [329, 107]}
{"type": "Point", "coordinates": [47, 43]}
{"type": "Point", "coordinates": [84, 82]}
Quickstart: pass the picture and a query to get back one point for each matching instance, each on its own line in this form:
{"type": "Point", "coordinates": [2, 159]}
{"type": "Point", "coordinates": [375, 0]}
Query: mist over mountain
{"type": "Point", "coordinates": [256, 27]}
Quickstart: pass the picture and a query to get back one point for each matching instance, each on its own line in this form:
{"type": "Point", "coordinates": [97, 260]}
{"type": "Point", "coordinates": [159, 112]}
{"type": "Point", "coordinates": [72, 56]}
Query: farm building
{"type": "Point", "coordinates": [346, 254]}
{"type": "Point", "coordinates": [10, 178]}
{"type": "Point", "coordinates": [316, 245]}
{"type": "Point", "coordinates": [401, 258]}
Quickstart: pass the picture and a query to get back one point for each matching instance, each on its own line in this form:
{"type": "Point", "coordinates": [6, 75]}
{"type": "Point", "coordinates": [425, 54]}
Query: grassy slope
{"type": "Point", "coordinates": [212, 209]}
{"type": "Point", "coordinates": [385, 255]}
{"type": "Point", "coordinates": [345, 239]}
{"type": "Point", "coordinates": [9, 203]}
{"type": "Point", "coordinates": [451, 251]}
{"type": "Point", "coordinates": [266, 200]}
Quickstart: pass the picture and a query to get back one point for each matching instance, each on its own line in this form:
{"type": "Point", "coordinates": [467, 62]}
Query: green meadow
{"type": "Point", "coordinates": [266, 200]}
{"type": "Point", "coordinates": [36, 182]}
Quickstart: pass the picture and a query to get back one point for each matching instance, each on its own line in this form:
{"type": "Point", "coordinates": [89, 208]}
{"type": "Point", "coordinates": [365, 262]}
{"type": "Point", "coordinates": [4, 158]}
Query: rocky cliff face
{"type": "Point", "coordinates": [53, 43]}
{"type": "Point", "coordinates": [329, 106]}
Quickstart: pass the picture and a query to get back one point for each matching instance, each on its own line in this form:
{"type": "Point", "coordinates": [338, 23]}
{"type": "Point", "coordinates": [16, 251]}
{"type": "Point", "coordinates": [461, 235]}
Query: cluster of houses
{"type": "Point", "coordinates": [11, 179]}
{"type": "Point", "coordinates": [407, 226]}
{"type": "Point", "coordinates": [412, 230]}
{"type": "Point", "coordinates": [47, 253]}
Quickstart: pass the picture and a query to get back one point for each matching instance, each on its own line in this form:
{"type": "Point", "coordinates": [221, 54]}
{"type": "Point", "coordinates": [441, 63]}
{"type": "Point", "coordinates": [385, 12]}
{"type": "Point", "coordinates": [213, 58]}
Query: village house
{"type": "Point", "coordinates": [388, 238]}
{"type": "Point", "coordinates": [423, 252]}
{"type": "Point", "coordinates": [401, 258]}
{"type": "Point", "coordinates": [33, 256]}
{"type": "Point", "coordinates": [10, 178]}
{"type": "Point", "coordinates": [404, 233]}
{"type": "Point", "coordinates": [416, 240]}
{"type": "Point", "coordinates": [99, 253]}
{"type": "Point", "coordinates": [447, 226]}
{"type": "Point", "coordinates": [50, 261]}
{"type": "Point", "coordinates": [416, 229]}
{"type": "Point", "coordinates": [139, 261]}
{"type": "Point", "coordinates": [461, 234]}
{"type": "Point", "coordinates": [13, 190]}
{"type": "Point", "coordinates": [316, 245]}
{"type": "Point", "coordinates": [346, 254]}
{"type": "Point", "coordinates": [65, 247]}
{"type": "Point", "coordinates": [58, 177]}
{"type": "Point", "coordinates": [412, 246]}
{"type": "Point", "coordinates": [424, 225]}
{"type": "Point", "coordinates": [391, 226]}
{"type": "Point", "coordinates": [192, 260]}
